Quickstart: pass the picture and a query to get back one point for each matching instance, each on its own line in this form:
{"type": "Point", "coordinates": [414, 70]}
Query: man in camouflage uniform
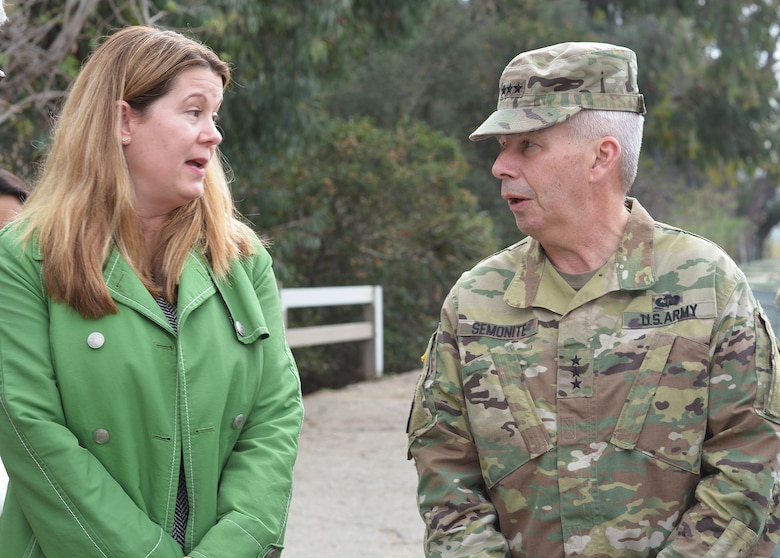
{"type": "Point", "coordinates": [608, 386]}
{"type": "Point", "coordinates": [3, 19]}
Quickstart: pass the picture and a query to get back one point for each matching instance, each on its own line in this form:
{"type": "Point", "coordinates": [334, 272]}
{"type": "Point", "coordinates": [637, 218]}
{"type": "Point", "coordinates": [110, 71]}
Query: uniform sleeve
{"type": "Point", "coordinates": [735, 502]}
{"type": "Point", "coordinates": [460, 520]}
{"type": "Point", "coordinates": [256, 484]}
{"type": "Point", "coordinates": [74, 506]}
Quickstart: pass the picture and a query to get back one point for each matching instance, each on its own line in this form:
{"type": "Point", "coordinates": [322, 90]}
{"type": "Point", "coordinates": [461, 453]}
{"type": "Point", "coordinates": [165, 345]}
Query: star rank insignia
{"type": "Point", "coordinates": [575, 372]}
{"type": "Point", "coordinates": [512, 89]}
{"type": "Point", "coordinates": [575, 376]}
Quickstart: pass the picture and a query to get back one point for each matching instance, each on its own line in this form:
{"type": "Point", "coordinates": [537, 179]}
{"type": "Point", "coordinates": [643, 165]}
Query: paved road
{"type": "Point", "coordinates": [354, 493]}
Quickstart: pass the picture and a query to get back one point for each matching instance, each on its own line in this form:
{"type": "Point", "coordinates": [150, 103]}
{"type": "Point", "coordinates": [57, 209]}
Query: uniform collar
{"type": "Point", "coordinates": [630, 268]}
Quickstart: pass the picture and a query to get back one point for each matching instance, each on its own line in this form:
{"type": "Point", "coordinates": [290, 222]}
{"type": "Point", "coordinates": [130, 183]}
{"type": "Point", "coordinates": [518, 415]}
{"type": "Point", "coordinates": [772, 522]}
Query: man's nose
{"type": "Point", "coordinates": [503, 167]}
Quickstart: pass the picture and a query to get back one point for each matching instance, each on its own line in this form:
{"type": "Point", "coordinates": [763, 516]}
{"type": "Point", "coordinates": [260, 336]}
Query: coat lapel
{"type": "Point", "coordinates": [127, 290]}
{"type": "Point", "coordinates": [197, 284]}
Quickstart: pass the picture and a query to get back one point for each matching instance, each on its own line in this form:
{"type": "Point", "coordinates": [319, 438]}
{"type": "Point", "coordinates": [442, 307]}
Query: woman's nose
{"type": "Point", "coordinates": [212, 134]}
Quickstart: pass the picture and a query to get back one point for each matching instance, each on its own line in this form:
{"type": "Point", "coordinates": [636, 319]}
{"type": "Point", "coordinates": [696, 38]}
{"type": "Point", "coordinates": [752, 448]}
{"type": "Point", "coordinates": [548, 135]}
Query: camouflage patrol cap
{"type": "Point", "coordinates": [544, 87]}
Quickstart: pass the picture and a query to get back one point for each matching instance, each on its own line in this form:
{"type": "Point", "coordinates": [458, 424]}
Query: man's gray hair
{"type": "Point", "coordinates": [625, 127]}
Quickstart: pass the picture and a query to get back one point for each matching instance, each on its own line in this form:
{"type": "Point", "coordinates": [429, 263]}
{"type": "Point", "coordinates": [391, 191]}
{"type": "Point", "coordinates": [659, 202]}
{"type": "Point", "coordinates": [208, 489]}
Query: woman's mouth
{"type": "Point", "coordinates": [198, 165]}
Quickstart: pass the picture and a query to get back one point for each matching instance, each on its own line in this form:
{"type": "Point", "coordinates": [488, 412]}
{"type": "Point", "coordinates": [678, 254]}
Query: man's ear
{"type": "Point", "coordinates": [606, 157]}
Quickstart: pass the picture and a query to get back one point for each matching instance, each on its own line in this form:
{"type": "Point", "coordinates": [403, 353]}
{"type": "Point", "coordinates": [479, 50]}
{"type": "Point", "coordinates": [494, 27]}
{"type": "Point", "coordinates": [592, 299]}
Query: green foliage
{"type": "Point", "coordinates": [284, 54]}
{"type": "Point", "coordinates": [387, 199]}
{"type": "Point", "coordinates": [372, 206]}
{"type": "Point", "coordinates": [447, 72]}
{"type": "Point", "coordinates": [705, 69]}
{"type": "Point", "coordinates": [677, 198]}
{"type": "Point", "coordinates": [720, 76]}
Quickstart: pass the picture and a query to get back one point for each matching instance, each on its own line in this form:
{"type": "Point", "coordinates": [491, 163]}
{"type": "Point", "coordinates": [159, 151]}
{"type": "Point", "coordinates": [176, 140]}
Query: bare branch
{"type": "Point", "coordinates": [40, 50]}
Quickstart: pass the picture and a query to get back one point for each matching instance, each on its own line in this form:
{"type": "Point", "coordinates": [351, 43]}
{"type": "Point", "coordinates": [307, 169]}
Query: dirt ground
{"type": "Point", "coordinates": [354, 494]}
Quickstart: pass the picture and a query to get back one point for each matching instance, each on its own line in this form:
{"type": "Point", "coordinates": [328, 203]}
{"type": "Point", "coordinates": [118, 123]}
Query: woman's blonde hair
{"type": "Point", "coordinates": [84, 202]}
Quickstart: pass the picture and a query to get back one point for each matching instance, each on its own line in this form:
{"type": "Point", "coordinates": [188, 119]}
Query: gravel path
{"type": "Point", "coordinates": [354, 494]}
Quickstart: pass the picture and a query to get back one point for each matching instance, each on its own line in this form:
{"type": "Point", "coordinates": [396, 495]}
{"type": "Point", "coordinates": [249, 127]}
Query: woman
{"type": "Point", "coordinates": [150, 404]}
{"type": "Point", "coordinates": [13, 192]}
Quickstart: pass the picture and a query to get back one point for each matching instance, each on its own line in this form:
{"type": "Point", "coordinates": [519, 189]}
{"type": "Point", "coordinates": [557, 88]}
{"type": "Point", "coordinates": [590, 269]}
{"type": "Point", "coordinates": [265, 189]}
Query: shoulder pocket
{"type": "Point", "coordinates": [506, 425]}
{"type": "Point", "coordinates": [632, 416]}
{"type": "Point", "coordinates": [665, 413]}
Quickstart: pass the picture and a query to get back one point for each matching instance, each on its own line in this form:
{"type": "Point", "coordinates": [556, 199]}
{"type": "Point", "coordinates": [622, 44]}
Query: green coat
{"type": "Point", "coordinates": [97, 415]}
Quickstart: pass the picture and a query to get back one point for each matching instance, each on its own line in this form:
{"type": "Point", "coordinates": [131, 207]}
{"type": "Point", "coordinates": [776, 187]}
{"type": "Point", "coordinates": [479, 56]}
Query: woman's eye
{"type": "Point", "coordinates": [215, 117]}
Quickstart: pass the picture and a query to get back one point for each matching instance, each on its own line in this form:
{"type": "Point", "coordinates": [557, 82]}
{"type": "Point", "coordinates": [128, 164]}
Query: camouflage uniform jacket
{"type": "Point", "coordinates": [634, 417]}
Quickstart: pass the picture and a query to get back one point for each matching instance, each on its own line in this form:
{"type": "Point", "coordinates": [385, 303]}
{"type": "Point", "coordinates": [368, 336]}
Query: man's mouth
{"type": "Point", "coordinates": [517, 203]}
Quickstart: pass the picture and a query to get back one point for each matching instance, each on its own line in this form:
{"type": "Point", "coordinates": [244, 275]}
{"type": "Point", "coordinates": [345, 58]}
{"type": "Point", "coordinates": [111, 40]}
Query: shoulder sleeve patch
{"type": "Point", "coordinates": [421, 418]}
{"type": "Point", "coordinates": [767, 368]}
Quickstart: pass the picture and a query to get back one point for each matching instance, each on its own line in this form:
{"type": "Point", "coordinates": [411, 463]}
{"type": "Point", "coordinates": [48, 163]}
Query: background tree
{"type": "Point", "coordinates": [706, 70]}
{"type": "Point", "coordinates": [347, 125]}
{"type": "Point", "coordinates": [39, 53]}
{"type": "Point", "coordinates": [374, 206]}
{"type": "Point", "coordinates": [284, 53]}
{"type": "Point", "coordinates": [719, 100]}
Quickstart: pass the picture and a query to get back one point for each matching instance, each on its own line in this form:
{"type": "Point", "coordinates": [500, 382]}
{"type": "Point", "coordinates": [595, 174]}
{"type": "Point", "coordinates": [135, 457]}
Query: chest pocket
{"type": "Point", "coordinates": [665, 414]}
{"type": "Point", "coordinates": [506, 426]}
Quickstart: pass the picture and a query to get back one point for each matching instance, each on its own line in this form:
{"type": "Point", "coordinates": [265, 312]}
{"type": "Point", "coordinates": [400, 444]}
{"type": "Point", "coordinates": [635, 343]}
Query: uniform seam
{"type": "Point", "coordinates": [206, 291]}
{"type": "Point", "coordinates": [111, 271]}
{"type": "Point", "coordinates": [201, 295]}
{"type": "Point", "coordinates": [251, 333]}
{"type": "Point", "coordinates": [280, 536]}
{"type": "Point", "coordinates": [134, 302]}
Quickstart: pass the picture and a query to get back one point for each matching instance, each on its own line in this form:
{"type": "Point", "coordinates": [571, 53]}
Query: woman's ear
{"type": "Point", "coordinates": [125, 113]}
{"type": "Point", "coordinates": [606, 157]}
